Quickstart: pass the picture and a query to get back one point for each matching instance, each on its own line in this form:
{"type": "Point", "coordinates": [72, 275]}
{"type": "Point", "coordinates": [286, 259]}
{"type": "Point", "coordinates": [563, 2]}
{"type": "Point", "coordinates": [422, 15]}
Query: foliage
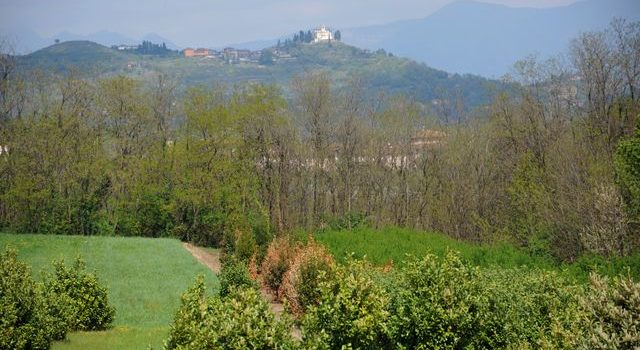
{"type": "Point", "coordinates": [351, 312]}
{"type": "Point", "coordinates": [528, 198]}
{"type": "Point", "coordinates": [527, 308]}
{"type": "Point", "coordinates": [143, 286]}
{"type": "Point", "coordinates": [89, 306]}
{"type": "Point", "coordinates": [627, 165]}
{"type": "Point", "coordinates": [241, 320]}
{"type": "Point", "coordinates": [235, 275]}
{"type": "Point", "coordinates": [435, 305]}
{"type": "Point", "coordinates": [612, 314]}
{"type": "Point", "coordinates": [29, 320]}
{"type": "Point", "coordinates": [277, 262]}
{"type": "Point", "coordinates": [300, 285]}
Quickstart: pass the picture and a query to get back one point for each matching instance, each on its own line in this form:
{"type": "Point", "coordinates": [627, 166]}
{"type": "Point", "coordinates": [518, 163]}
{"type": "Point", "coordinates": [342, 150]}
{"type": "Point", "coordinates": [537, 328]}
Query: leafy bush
{"type": "Point", "coordinates": [613, 310]}
{"type": "Point", "coordinates": [352, 310]}
{"type": "Point", "coordinates": [279, 256]}
{"type": "Point", "coordinates": [300, 284]}
{"type": "Point", "coordinates": [241, 320]}
{"type": "Point", "coordinates": [88, 302]}
{"type": "Point", "coordinates": [235, 275]}
{"type": "Point", "coordinates": [29, 317]}
{"type": "Point", "coordinates": [436, 303]}
{"type": "Point", "coordinates": [527, 309]}
{"type": "Point", "coordinates": [443, 303]}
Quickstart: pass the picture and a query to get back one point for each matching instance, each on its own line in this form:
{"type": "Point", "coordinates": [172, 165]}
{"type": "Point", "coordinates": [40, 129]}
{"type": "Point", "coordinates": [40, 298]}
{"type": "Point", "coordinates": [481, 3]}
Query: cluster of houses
{"type": "Point", "coordinates": [233, 56]}
{"type": "Point", "coordinates": [229, 54]}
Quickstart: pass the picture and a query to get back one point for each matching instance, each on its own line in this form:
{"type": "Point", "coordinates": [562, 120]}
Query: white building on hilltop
{"type": "Point", "coordinates": [322, 34]}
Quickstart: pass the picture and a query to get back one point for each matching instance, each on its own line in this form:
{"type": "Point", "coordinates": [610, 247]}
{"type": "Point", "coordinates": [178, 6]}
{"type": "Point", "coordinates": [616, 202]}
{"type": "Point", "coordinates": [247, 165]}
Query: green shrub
{"type": "Point", "coordinates": [436, 303]}
{"type": "Point", "coordinates": [613, 309]}
{"type": "Point", "coordinates": [29, 317]}
{"type": "Point", "coordinates": [241, 320]}
{"type": "Point", "coordinates": [88, 302]}
{"type": "Point", "coordinates": [444, 303]}
{"type": "Point", "coordinates": [351, 313]}
{"type": "Point", "coordinates": [235, 275]}
{"type": "Point", "coordinates": [527, 308]}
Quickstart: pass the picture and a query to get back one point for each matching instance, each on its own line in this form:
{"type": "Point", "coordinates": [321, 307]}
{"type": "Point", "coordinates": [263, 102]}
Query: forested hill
{"type": "Point", "coordinates": [377, 71]}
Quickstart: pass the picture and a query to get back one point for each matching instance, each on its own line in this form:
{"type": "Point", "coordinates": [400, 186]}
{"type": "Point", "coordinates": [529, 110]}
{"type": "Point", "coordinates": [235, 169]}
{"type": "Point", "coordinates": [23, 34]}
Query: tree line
{"type": "Point", "coordinates": [553, 167]}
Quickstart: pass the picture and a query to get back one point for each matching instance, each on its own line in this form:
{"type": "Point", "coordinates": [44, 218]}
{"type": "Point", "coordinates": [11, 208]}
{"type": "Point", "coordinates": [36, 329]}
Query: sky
{"type": "Point", "coordinates": [215, 22]}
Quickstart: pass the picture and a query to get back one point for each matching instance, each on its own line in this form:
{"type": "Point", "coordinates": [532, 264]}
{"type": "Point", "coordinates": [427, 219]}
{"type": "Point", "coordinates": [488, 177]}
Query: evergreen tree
{"type": "Point", "coordinates": [337, 35]}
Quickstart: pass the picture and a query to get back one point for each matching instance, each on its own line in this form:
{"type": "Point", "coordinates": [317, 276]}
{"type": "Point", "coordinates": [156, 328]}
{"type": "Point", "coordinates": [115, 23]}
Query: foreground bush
{"type": "Point", "coordinates": [241, 320]}
{"type": "Point", "coordinates": [87, 299]}
{"type": "Point", "coordinates": [436, 304]}
{"type": "Point", "coordinates": [30, 318]}
{"type": "Point", "coordinates": [444, 303]}
{"type": "Point", "coordinates": [352, 311]}
{"type": "Point", "coordinates": [613, 310]}
{"type": "Point", "coordinates": [300, 285]}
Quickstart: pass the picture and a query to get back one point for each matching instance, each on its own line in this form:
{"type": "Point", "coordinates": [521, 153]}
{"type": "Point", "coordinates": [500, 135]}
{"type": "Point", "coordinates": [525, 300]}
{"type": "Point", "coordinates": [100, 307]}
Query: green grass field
{"type": "Point", "coordinates": [394, 244]}
{"type": "Point", "coordinates": [145, 278]}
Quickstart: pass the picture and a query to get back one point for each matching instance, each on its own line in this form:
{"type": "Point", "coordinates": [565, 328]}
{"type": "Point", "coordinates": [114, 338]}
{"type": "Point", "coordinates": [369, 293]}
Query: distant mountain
{"type": "Point", "coordinates": [26, 40]}
{"type": "Point", "coordinates": [486, 39]}
{"type": "Point", "coordinates": [102, 37]}
{"type": "Point", "coordinates": [379, 72]}
{"type": "Point", "coordinates": [83, 55]}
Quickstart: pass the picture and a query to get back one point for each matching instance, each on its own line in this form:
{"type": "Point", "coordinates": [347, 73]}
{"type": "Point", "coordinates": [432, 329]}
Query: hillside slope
{"type": "Point", "coordinates": [83, 55]}
{"type": "Point", "coordinates": [378, 71]}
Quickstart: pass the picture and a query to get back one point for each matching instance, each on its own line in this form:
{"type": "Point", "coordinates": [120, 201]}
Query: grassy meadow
{"type": "Point", "coordinates": [382, 246]}
{"type": "Point", "coordinates": [145, 278]}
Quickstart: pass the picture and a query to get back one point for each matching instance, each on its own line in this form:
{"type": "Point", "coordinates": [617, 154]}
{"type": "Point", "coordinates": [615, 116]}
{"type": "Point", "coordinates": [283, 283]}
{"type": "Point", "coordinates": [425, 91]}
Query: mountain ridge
{"type": "Point", "coordinates": [497, 35]}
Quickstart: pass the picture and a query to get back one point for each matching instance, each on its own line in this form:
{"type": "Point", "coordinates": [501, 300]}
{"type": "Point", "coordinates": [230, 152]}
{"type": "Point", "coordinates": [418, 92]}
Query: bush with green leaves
{"type": "Point", "coordinates": [241, 320]}
{"type": "Point", "coordinates": [613, 314]}
{"type": "Point", "coordinates": [352, 311]}
{"type": "Point", "coordinates": [436, 303]}
{"type": "Point", "coordinates": [445, 303]}
{"type": "Point", "coordinates": [30, 317]}
{"type": "Point", "coordinates": [233, 275]}
{"type": "Point", "coordinates": [523, 308]}
{"type": "Point", "coordinates": [87, 299]}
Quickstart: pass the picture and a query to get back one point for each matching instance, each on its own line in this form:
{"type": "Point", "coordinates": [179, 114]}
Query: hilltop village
{"type": "Point", "coordinates": [279, 52]}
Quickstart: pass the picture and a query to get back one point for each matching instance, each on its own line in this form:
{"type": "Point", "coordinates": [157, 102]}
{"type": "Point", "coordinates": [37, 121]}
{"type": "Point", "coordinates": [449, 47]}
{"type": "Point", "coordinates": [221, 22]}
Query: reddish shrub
{"type": "Point", "coordinates": [300, 283]}
{"type": "Point", "coordinates": [276, 263]}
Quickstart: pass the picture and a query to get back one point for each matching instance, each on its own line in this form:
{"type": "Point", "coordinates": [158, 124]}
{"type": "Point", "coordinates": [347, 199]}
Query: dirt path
{"type": "Point", "coordinates": [212, 261]}
{"type": "Point", "coordinates": [209, 259]}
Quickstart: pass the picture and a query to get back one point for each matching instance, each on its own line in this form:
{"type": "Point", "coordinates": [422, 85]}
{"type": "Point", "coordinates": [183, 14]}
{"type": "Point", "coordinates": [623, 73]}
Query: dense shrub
{"type": "Point", "coordinates": [235, 275]}
{"type": "Point", "coordinates": [29, 317]}
{"type": "Point", "coordinates": [279, 256]}
{"type": "Point", "coordinates": [613, 310]}
{"type": "Point", "coordinates": [436, 303]}
{"type": "Point", "coordinates": [88, 302]}
{"type": "Point", "coordinates": [241, 320]}
{"type": "Point", "coordinates": [443, 303]}
{"type": "Point", "coordinates": [352, 311]}
{"type": "Point", "coordinates": [301, 281]}
{"type": "Point", "coordinates": [527, 309]}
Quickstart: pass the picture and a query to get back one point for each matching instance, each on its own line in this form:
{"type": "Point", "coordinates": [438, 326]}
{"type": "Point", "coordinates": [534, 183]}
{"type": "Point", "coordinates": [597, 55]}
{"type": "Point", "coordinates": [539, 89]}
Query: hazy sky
{"type": "Point", "coordinates": [215, 22]}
